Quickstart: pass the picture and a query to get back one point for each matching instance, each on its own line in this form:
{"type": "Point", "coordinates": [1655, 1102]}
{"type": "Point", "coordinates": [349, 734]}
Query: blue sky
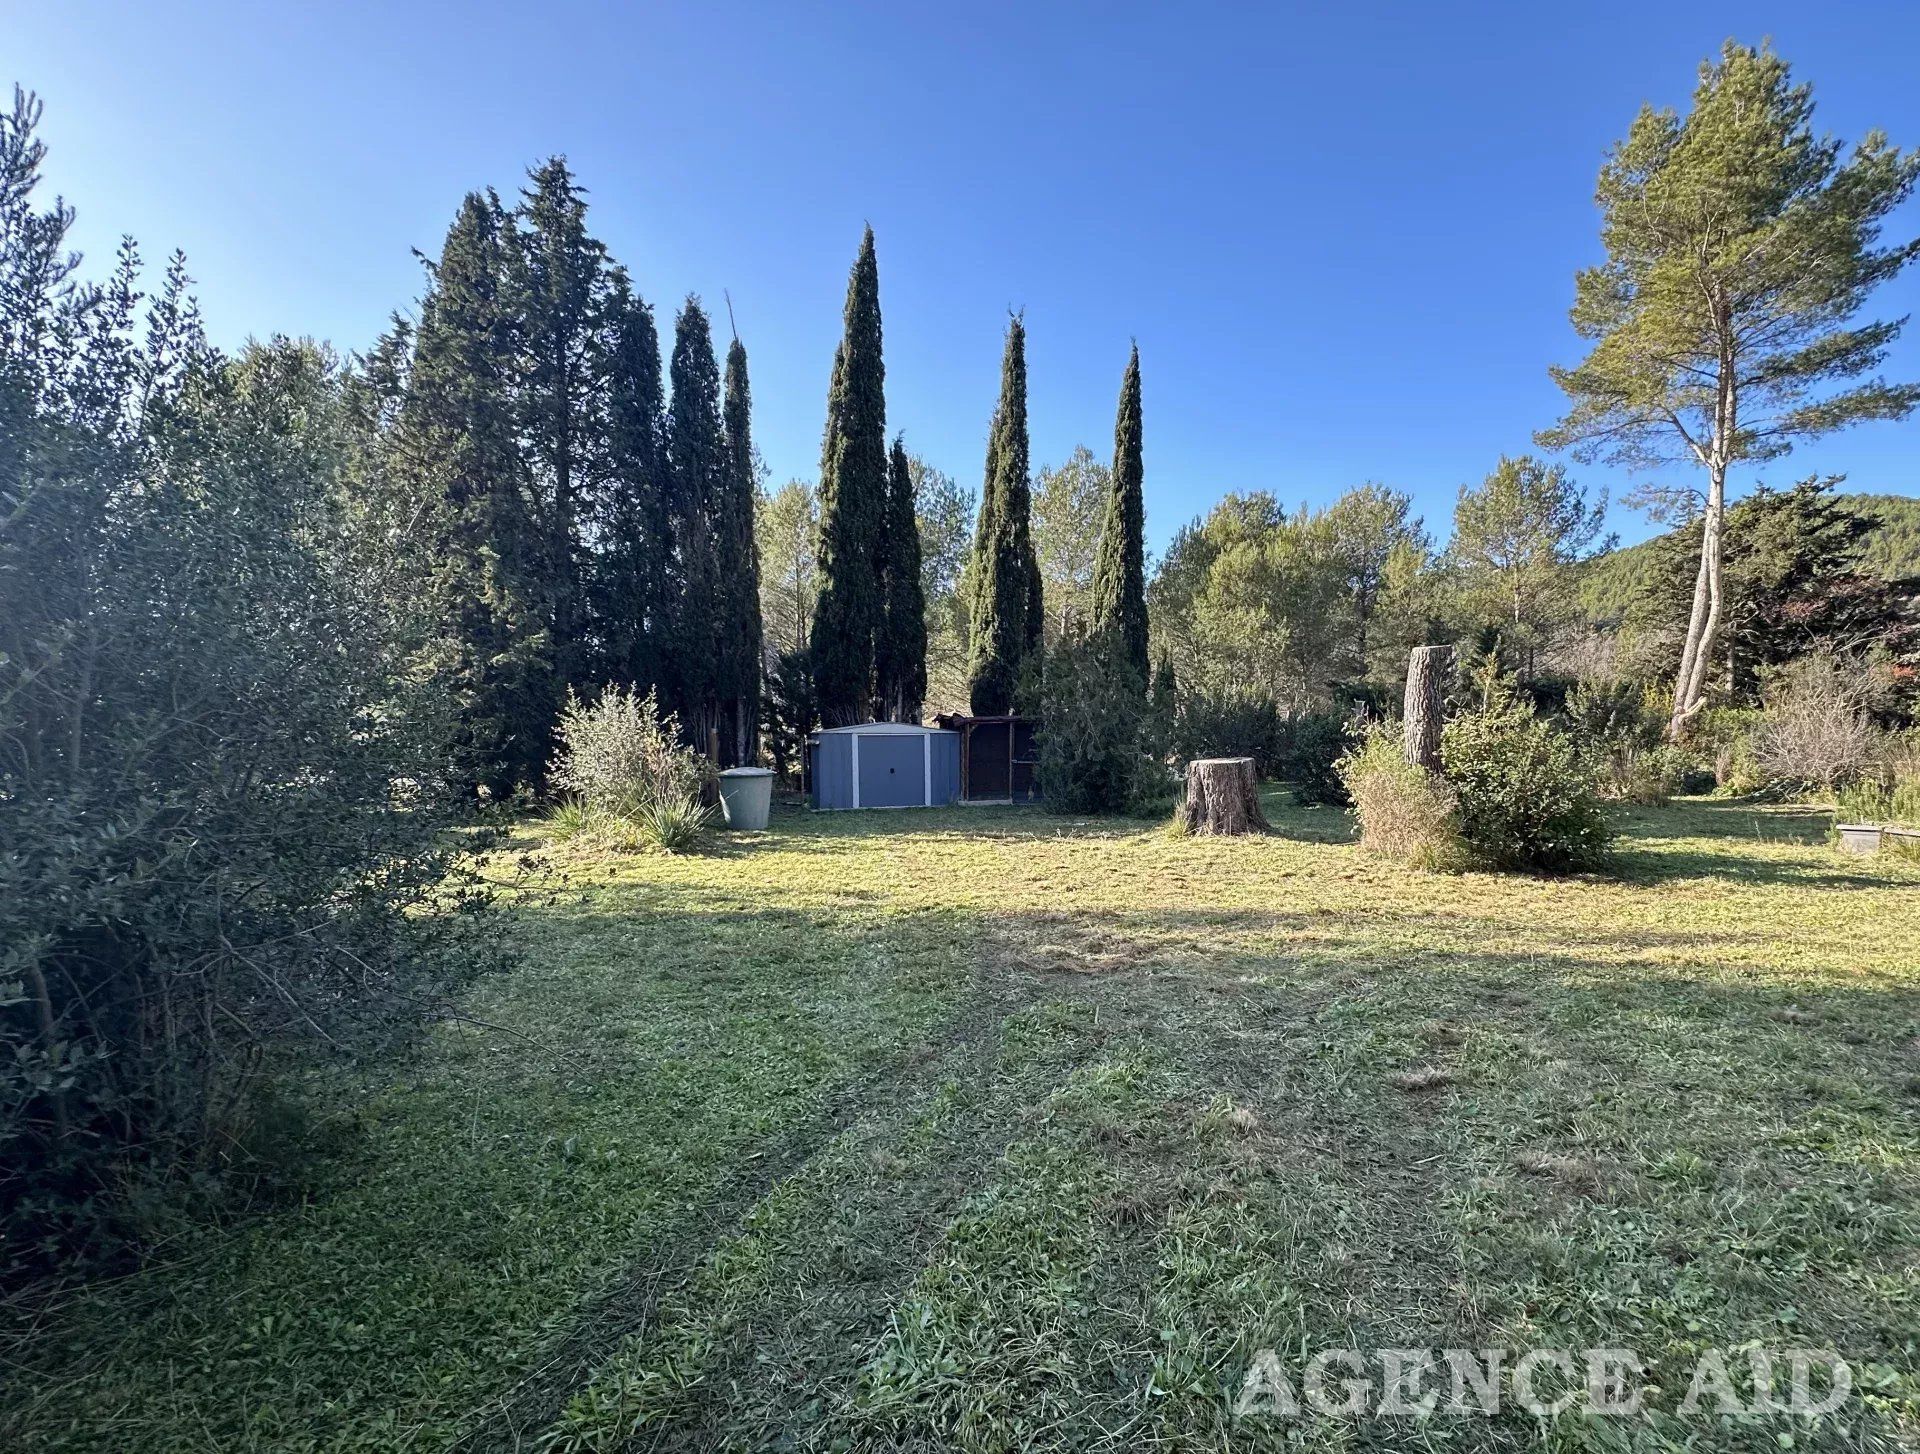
{"type": "Point", "coordinates": [1344, 236]}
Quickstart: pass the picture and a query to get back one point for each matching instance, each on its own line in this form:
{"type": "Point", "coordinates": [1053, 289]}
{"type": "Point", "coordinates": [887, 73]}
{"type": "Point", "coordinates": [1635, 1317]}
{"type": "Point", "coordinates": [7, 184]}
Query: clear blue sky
{"type": "Point", "coordinates": [1344, 236]}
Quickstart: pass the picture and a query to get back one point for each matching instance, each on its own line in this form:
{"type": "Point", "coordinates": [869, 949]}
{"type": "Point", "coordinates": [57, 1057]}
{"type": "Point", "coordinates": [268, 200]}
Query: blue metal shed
{"type": "Point", "coordinates": [884, 765]}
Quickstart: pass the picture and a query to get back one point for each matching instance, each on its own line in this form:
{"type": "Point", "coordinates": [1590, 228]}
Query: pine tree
{"type": "Point", "coordinates": [848, 610]}
{"type": "Point", "coordinates": [900, 657]}
{"type": "Point", "coordinates": [635, 572]}
{"type": "Point", "coordinates": [458, 440]}
{"type": "Point", "coordinates": [738, 572]}
{"type": "Point", "coordinates": [1120, 569]}
{"type": "Point", "coordinates": [1741, 249]}
{"type": "Point", "coordinates": [565, 289]}
{"type": "Point", "coordinates": [697, 467]}
{"type": "Point", "coordinates": [1007, 611]}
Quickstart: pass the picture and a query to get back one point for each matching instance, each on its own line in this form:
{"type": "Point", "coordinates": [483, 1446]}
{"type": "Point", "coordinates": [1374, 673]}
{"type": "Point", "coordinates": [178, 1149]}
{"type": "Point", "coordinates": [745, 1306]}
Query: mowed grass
{"type": "Point", "coordinates": [986, 1130]}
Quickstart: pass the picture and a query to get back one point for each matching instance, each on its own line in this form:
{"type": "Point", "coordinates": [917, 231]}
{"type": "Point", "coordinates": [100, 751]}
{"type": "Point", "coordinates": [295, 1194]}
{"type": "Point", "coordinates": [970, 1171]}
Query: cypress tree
{"type": "Point", "coordinates": [564, 293]}
{"type": "Point", "coordinates": [1120, 569]}
{"type": "Point", "coordinates": [738, 558]}
{"type": "Point", "coordinates": [458, 439]}
{"type": "Point", "coordinates": [1006, 609]}
{"type": "Point", "coordinates": [848, 609]}
{"type": "Point", "coordinates": [900, 660]}
{"type": "Point", "coordinates": [635, 570]}
{"type": "Point", "coordinates": [697, 467]}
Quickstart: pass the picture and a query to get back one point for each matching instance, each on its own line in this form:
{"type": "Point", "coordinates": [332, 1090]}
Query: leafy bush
{"type": "Point", "coordinates": [620, 755]}
{"type": "Point", "coordinates": [1403, 811]}
{"type": "Point", "coordinates": [223, 791]}
{"type": "Point", "coordinates": [1526, 796]}
{"type": "Point", "coordinates": [1317, 742]}
{"type": "Point", "coordinates": [1095, 725]}
{"type": "Point", "coordinates": [1230, 724]}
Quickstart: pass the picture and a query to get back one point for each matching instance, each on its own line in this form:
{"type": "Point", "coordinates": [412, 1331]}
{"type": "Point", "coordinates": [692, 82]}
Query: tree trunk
{"type": "Point", "coordinates": [1223, 797]}
{"type": "Point", "coordinates": [1690, 682]}
{"type": "Point", "coordinates": [1424, 706]}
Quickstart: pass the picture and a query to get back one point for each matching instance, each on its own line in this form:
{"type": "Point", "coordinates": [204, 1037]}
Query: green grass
{"type": "Point", "coordinates": [987, 1130]}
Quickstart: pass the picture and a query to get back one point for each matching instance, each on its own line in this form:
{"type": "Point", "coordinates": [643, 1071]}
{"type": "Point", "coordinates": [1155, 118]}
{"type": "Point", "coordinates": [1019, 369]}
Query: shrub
{"type": "Point", "coordinates": [1230, 724]}
{"type": "Point", "coordinates": [1403, 811]}
{"type": "Point", "coordinates": [620, 755]}
{"type": "Point", "coordinates": [671, 824]}
{"type": "Point", "coordinates": [1814, 728]}
{"type": "Point", "coordinates": [223, 788]}
{"type": "Point", "coordinates": [1094, 753]}
{"type": "Point", "coordinates": [1318, 743]}
{"type": "Point", "coordinates": [1526, 794]}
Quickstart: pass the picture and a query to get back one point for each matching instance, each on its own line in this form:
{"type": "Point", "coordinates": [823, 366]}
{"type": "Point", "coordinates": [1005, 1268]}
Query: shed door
{"type": "Point", "coordinates": [893, 770]}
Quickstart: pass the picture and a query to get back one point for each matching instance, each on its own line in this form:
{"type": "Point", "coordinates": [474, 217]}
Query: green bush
{"type": "Point", "coordinates": [1095, 754]}
{"type": "Point", "coordinates": [1230, 724]}
{"type": "Point", "coordinates": [1403, 811]}
{"type": "Point", "coordinates": [619, 754]}
{"type": "Point", "coordinates": [1317, 743]}
{"type": "Point", "coordinates": [1526, 795]}
{"type": "Point", "coordinates": [222, 783]}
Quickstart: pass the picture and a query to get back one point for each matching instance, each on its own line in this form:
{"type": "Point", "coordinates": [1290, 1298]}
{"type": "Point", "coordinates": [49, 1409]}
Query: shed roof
{"type": "Point", "coordinates": [871, 728]}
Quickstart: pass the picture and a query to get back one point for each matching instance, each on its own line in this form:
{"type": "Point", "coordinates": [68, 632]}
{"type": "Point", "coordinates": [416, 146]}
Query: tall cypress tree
{"type": "Point", "coordinates": [738, 562]}
{"type": "Point", "coordinates": [458, 438]}
{"type": "Point", "coordinates": [900, 659]}
{"type": "Point", "coordinates": [848, 609]}
{"type": "Point", "coordinates": [1120, 568]}
{"type": "Point", "coordinates": [565, 287]}
{"type": "Point", "coordinates": [633, 598]}
{"type": "Point", "coordinates": [697, 467]}
{"type": "Point", "coordinates": [1005, 610]}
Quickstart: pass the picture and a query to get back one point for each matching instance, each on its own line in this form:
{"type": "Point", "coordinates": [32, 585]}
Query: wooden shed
{"type": "Point", "coordinates": [999, 758]}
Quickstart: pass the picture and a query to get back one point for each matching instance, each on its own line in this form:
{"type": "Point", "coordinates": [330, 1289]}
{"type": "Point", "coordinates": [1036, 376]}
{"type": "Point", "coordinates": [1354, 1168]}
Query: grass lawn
{"type": "Point", "coordinates": [989, 1130]}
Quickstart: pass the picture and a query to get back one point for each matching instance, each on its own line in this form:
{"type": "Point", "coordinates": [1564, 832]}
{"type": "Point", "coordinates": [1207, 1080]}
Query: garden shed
{"type": "Point", "coordinates": [884, 765]}
{"type": "Point", "coordinates": [999, 758]}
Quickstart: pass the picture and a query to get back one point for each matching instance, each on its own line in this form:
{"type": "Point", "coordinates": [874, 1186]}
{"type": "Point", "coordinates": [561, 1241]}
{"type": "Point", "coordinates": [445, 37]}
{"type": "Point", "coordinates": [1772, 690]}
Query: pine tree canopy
{"type": "Point", "coordinates": [849, 609]}
{"type": "Point", "coordinates": [1120, 568]}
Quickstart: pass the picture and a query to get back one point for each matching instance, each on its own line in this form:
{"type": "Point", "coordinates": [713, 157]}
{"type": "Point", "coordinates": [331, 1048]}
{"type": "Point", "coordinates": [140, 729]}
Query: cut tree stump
{"type": "Point", "coordinates": [1223, 796]}
{"type": "Point", "coordinates": [1425, 704]}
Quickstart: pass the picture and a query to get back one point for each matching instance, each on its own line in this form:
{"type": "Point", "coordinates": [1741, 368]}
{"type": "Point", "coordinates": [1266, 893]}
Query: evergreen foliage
{"type": "Point", "coordinates": [900, 656]}
{"type": "Point", "coordinates": [459, 447]}
{"type": "Point", "coordinates": [563, 300]}
{"type": "Point", "coordinates": [1740, 250]}
{"type": "Point", "coordinates": [697, 469]}
{"type": "Point", "coordinates": [738, 555]}
{"type": "Point", "coordinates": [1007, 610]}
{"type": "Point", "coordinates": [1095, 729]}
{"type": "Point", "coordinates": [849, 609]}
{"type": "Point", "coordinates": [1120, 571]}
{"type": "Point", "coordinates": [636, 568]}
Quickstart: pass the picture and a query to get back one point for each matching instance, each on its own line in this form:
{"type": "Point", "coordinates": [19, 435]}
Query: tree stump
{"type": "Point", "coordinates": [1223, 796]}
{"type": "Point", "coordinates": [1425, 706]}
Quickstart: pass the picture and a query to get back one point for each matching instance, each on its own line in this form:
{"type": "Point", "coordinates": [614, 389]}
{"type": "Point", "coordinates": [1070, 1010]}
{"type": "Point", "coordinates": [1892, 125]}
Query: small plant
{"type": "Point", "coordinates": [672, 824]}
{"type": "Point", "coordinates": [1403, 811]}
{"type": "Point", "coordinates": [1527, 799]}
{"type": "Point", "coordinates": [572, 819]}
